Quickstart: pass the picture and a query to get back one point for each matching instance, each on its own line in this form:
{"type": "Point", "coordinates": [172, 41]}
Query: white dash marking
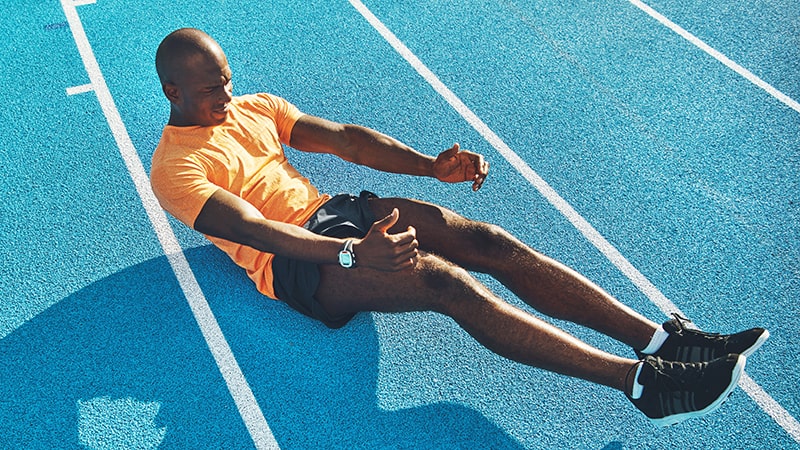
{"type": "Point", "coordinates": [74, 90]}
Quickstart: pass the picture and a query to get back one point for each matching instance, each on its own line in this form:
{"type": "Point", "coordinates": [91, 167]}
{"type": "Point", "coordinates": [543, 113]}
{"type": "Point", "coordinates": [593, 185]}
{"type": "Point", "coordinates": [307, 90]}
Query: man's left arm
{"type": "Point", "coordinates": [370, 148]}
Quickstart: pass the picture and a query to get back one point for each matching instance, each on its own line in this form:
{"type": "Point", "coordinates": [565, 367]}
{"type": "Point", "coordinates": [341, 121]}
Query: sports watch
{"type": "Point", "coordinates": [347, 258]}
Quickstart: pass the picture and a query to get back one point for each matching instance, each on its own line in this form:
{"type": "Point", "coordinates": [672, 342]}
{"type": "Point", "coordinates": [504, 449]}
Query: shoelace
{"type": "Point", "coordinates": [673, 375]}
{"type": "Point", "coordinates": [683, 329]}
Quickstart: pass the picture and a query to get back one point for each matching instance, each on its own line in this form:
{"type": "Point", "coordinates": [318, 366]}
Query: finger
{"type": "Point", "coordinates": [407, 264]}
{"type": "Point", "coordinates": [479, 164]}
{"type": "Point", "coordinates": [400, 258]}
{"type": "Point", "coordinates": [483, 166]}
{"type": "Point", "coordinates": [450, 152]}
{"type": "Point", "coordinates": [406, 259]}
{"type": "Point", "coordinates": [404, 242]}
{"type": "Point", "coordinates": [480, 177]}
{"type": "Point", "coordinates": [383, 225]}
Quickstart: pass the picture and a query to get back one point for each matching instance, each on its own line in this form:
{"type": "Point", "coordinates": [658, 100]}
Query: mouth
{"type": "Point", "coordinates": [221, 112]}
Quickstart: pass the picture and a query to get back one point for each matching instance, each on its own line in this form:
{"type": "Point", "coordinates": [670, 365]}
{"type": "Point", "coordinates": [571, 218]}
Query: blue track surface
{"type": "Point", "coordinates": [688, 169]}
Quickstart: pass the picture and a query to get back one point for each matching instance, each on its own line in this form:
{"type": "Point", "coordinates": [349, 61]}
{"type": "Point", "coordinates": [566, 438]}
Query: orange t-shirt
{"type": "Point", "coordinates": [244, 155]}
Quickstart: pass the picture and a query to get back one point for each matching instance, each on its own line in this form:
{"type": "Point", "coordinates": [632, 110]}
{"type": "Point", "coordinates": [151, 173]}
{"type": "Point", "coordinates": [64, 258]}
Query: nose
{"type": "Point", "coordinates": [227, 92]}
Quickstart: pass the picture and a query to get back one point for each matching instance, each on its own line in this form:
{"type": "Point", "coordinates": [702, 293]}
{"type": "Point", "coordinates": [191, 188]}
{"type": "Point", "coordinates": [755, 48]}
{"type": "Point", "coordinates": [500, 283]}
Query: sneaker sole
{"type": "Point", "coordinates": [746, 352]}
{"type": "Point", "coordinates": [759, 342]}
{"type": "Point", "coordinates": [738, 369]}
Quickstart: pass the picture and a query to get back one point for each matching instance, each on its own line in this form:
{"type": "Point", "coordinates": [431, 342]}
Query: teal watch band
{"type": "Point", "coordinates": [347, 258]}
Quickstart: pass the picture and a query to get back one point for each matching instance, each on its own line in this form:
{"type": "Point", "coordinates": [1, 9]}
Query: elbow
{"type": "Point", "coordinates": [250, 231]}
{"type": "Point", "coordinates": [354, 138]}
{"type": "Point", "coordinates": [238, 226]}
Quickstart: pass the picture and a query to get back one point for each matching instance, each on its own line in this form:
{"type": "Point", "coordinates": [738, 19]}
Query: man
{"type": "Point", "coordinates": [220, 168]}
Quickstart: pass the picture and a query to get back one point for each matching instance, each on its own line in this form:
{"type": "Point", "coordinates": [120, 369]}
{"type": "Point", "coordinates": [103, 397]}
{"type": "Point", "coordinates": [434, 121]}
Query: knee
{"type": "Point", "coordinates": [438, 275]}
{"type": "Point", "coordinates": [488, 239]}
{"type": "Point", "coordinates": [493, 235]}
{"type": "Point", "coordinates": [446, 283]}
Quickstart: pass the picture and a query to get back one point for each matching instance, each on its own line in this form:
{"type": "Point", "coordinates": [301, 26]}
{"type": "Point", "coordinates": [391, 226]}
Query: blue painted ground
{"type": "Point", "coordinates": [687, 168]}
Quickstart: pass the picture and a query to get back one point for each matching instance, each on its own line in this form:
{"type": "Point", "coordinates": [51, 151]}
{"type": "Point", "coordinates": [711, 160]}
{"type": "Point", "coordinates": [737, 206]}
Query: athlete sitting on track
{"type": "Point", "coordinates": [220, 168]}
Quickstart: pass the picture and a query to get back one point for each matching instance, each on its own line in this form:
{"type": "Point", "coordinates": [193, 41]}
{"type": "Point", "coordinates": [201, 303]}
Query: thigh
{"type": "Point", "coordinates": [433, 284]}
{"type": "Point", "coordinates": [434, 223]}
{"type": "Point", "coordinates": [470, 244]}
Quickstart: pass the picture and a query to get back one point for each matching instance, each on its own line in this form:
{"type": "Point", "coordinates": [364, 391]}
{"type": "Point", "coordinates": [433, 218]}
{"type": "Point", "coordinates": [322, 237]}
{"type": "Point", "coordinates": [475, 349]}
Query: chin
{"type": "Point", "coordinates": [217, 119]}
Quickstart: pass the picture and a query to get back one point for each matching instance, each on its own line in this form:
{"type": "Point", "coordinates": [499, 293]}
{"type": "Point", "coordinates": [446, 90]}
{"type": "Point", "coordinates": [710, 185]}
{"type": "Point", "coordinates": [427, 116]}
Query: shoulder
{"type": "Point", "coordinates": [179, 143]}
{"type": "Point", "coordinates": [182, 154]}
{"type": "Point", "coordinates": [282, 113]}
{"type": "Point", "coordinates": [179, 175]}
{"type": "Point", "coordinates": [266, 103]}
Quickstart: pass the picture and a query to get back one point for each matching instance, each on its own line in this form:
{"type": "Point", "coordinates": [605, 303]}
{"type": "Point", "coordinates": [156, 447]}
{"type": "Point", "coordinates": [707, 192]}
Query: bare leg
{"type": "Point", "coordinates": [547, 285]}
{"type": "Point", "coordinates": [437, 285]}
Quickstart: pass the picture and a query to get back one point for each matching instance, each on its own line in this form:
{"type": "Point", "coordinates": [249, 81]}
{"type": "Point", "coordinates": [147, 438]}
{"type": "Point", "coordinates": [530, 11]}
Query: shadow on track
{"type": "Point", "coordinates": [128, 343]}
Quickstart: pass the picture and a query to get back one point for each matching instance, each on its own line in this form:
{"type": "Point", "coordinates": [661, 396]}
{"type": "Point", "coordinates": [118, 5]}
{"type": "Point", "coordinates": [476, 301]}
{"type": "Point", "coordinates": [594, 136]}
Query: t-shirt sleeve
{"type": "Point", "coordinates": [182, 187]}
{"type": "Point", "coordinates": [183, 180]}
{"type": "Point", "coordinates": [283, 113]}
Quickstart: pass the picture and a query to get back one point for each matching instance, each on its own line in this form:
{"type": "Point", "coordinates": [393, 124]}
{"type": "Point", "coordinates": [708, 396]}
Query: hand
{"type": "Point", "coordinates": [387, 252]}
{"type": "Point", "coordinates": [454, 166]}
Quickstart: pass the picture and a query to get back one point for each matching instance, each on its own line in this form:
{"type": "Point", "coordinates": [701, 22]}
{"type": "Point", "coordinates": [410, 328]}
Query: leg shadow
{"type": "Point", "coordinates": [317, 387]}
{"type": "Point", "coordinates": [124, 359]}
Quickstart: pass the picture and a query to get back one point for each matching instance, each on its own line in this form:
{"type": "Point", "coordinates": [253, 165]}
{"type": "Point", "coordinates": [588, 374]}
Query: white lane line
{"type": "Point", "coordinates": [522, 167]}
{"type": "Point", "coordinates": [74, 90]}
{"type": "Point", "coordinates": [783, 98]}
{"type": "Point", "coordinates": [767, 403]}
{"type": "Point", "coordinates": [778, 413]}
{"type": "Point", "coordinates": [231, 372]}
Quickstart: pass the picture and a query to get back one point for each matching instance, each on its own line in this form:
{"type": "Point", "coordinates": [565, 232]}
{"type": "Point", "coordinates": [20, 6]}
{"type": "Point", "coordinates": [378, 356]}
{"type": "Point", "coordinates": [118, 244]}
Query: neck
{"type": "Point", "coordinates": [177, 120]}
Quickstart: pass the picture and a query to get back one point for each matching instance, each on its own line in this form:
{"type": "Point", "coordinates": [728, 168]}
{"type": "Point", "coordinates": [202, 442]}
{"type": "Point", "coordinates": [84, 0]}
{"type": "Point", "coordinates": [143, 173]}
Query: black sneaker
{"type": "Point", "coordinates": [672, 392]}
{"type": "Point", "coordinates": [690, 345]}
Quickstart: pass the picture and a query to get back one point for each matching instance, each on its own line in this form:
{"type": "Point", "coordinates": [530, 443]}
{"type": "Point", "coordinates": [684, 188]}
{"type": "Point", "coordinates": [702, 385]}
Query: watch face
{"type": "Point", "coordinates": [346, 259]}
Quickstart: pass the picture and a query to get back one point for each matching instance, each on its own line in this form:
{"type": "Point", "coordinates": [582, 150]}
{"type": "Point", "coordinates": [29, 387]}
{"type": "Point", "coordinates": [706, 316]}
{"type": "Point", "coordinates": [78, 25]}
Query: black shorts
{"type": "Point", "coordinates": [296, 281]}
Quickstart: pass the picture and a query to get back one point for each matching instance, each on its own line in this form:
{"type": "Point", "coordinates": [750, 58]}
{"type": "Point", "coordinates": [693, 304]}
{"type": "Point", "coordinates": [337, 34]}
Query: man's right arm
{"type": "Point", "coordinates": [229, 217]}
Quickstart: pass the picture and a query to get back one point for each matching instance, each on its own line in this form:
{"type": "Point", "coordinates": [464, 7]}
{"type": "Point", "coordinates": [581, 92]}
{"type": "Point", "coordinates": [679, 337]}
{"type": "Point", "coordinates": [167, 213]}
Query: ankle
{"type": "Point", "coordinates": [632, 387]}
{"type": "Point", "coordinates": [656, 341]}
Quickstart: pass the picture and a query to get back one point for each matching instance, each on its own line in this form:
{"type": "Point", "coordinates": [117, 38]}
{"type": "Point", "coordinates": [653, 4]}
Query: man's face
{"type": "Point", "coordinates": [202, 92]}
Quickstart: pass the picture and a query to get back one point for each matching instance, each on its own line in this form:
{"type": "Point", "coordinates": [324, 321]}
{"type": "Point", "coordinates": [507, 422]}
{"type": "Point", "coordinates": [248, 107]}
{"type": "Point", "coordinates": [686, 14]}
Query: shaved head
{"type": "Point", "coordinates": [195, 78]}
{"type": "Point", "coordinates": [178, 52]}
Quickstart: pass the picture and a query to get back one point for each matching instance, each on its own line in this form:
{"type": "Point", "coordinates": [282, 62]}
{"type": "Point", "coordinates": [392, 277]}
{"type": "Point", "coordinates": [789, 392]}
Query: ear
{"type": "Point", "coordinates": [171, 91]}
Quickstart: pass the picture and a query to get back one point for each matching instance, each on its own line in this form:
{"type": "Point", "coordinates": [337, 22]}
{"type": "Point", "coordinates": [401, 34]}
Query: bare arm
{"type": "Point", "coordinates": [229, 217]}
{"type": "Point", "coordinates": [370, 148]}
